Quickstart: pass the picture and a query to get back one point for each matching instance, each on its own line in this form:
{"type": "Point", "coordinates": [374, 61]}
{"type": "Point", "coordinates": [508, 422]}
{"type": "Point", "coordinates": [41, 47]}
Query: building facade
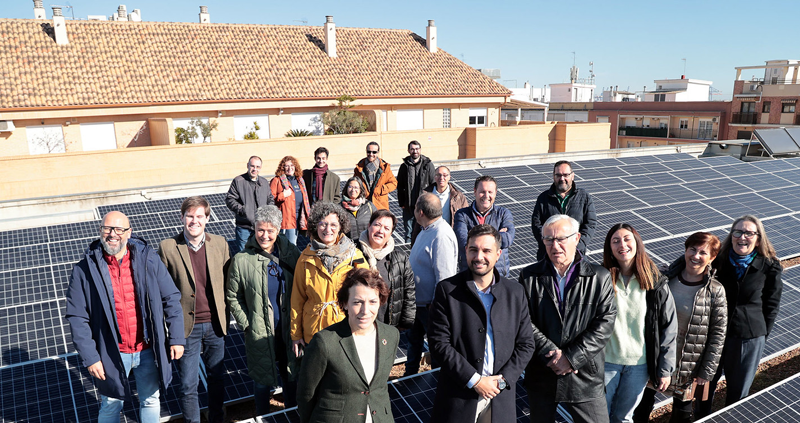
{"type": "Point", "coordinates": [765, 101]}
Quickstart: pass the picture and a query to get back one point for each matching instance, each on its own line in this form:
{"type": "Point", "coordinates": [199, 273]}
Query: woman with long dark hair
{"type": "Point", "coordinates": [642, 345]}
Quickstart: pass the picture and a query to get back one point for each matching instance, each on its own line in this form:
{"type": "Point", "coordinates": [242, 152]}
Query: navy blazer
{"type": "Point", "coordinates": [332, 387]}
{"type": "Point", "coordinates": [457, 339]}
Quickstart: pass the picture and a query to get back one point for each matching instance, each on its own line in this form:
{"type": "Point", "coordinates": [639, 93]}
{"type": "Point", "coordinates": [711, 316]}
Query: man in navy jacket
{"type": "Point", "coordinates": [481, 211]}
{"type": "Point", "coordinates": [124, 312]}
{"type": "Point", "coordinates": [481, 332]}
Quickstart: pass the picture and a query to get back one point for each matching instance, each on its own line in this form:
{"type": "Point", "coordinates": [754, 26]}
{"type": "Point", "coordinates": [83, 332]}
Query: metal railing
{"type": "Point", "coordinates": [745, 118]}
{"type": "Point", "coordinates": [635, 131]}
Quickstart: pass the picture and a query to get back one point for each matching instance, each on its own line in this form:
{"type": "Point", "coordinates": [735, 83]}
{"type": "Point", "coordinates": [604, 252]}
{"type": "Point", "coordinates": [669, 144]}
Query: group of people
{"type": "Point", "coordinates": [323, 323]}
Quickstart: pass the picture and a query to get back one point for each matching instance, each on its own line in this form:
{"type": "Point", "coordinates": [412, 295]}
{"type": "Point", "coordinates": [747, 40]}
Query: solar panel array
{"type": "Point", "coordinates": [665, 197]}
{"type": "Point", "coordinates": [778, 403]}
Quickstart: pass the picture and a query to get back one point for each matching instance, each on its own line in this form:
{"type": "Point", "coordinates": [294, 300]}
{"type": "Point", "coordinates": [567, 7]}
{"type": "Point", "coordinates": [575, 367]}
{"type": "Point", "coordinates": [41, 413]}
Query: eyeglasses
{"type": "Point", "coordinates": [273, 269]}
{"type": "Point", "coordinates": [549, 240]}
{"type": "Point", "coordinates": [747, 234]}
{"type": "Point", "coordinates": [372, 151]}
{"type": "Point", "coordinates": [117, 230]}
{"type": "Point", "coordinates": [562, 175]}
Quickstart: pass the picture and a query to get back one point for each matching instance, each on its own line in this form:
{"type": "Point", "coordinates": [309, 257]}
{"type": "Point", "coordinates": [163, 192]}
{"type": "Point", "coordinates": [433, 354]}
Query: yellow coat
{"type": "Point", "coordinates": [314, 293]}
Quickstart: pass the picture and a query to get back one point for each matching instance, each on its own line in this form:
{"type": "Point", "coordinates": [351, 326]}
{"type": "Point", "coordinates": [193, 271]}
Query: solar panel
{"type": "Point", "coordinates": [683, 165]}
{"type": "Point", "coordinates": [773, 165]}
{"type": "Point", "coordinates": [646, 229]}
{"type": "Point", "coordinates": [37, 392]}
{"type": "Point", "coordinates": [699, 174]}
{"type": "Point", "coordinates": [547, 168]}
{"type": "Point", "coordinates": [169, 204]}
{"type": "Point", "coordinates": [145, 222]}
{"type": "Point", "coordinates": [68, 252]}
{"type": "Point", "coordinates": [777, 141]}
{"type": "Point", "coordinates": [129, 209]}
{"type": "Point", "coordinates": [750, 203]}
{"type": "Point", "coordinates": [641, 159]}
{"type": "Point", "coordinates": [682, 218]}
{"type": "Point", "coordinates": [778, 403]}
{"type": "Point", "coordinates": [592, 164]}
{"type": "Point", "coordinates": [23, 257]}
{"type": "Point", "coordinates": [675, 157]}
{"type": "Point", "coordinates": [76, 230]}
{"type": "Point", "coordinates": [20, 237]}
{"type": "Point", "coordinates": [31, 332]}
{"type": "Point", "coordinates": [765, 181]}
{"type": "Point", "coordinates": [644, 169]}
{"type": "Point", "coordinates": [605, 185]}
{"type": "Point", "coordinates": [717, 187]}
{"type": "Point", "coordinates": [222, 213]}
{"type": "Point", "coordinates": [738, 169]}
{"type": "Point", "coordinates": [216, 199]}
{"type": "Point", "coordinates": [719, 160]}
{"type": "Point", "coordinates": [652, 180]}
{"type": "Point", "coordinates": [615, 201]}
{"type": "Point", "coordinates": [667, 194]}
{"type": "Point", "coordinates": [783, 235]}
{"type": "Point", "coordinates": [223, 229]}
{"type": "Point", "coordinates": [26, 286]}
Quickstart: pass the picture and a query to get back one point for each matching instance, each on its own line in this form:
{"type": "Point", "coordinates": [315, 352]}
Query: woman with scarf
{"type": "Point", "coordinates": [642, 345]}
{"type": "Point", "coordinates": [749, 269]}
{"type": "Point", "coordinates": [357, 208]}
{"type": "Point", "coordinates": [319, 273]}
{"type": "Point", "coordinates": [290, 195]}
{"type": "Point", "coordinates": [377, 244]}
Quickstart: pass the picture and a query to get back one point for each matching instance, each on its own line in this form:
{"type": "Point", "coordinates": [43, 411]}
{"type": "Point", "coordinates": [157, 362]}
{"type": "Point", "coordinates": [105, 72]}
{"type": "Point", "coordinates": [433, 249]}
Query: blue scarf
{"type": "Point", "coordinates": [740, 263]}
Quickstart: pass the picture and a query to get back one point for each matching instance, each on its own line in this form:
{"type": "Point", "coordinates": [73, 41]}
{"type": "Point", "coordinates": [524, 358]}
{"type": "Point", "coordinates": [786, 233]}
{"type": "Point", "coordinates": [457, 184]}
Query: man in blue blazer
{"type": "Point", "coordinates": [481, 332]}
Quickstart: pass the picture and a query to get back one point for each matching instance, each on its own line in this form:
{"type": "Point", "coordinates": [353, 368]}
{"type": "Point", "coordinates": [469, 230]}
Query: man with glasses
{"type": "Point", "coordinates": [197, 261]}
{"type": "Point", "coordinates": [452, 198]}
{"type": "Point", "coordinates": [248, 192]}
{"type": "Point", "coordinates": [125, 315]}
{"type": "Point", "coordinates": [563, 197]}
{"type": "Point", "coordinates": [571, 302]}
{"type": "Point", "coordinates": [415, 174]}
{"type": "Point", "coordinates": [376, 176]}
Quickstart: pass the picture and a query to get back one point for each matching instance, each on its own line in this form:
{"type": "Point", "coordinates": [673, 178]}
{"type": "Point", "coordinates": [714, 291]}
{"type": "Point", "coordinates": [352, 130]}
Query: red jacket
{"type": "Point", "coordinates": [126, 304]}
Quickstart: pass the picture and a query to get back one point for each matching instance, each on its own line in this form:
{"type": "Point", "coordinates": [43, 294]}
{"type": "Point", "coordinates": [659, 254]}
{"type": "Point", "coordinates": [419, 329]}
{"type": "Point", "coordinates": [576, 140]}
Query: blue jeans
{"type": "Point", "coordinates": [408, 222]}
{"type": "Point", "coordinates": [416, 340]}
{"type": "Point", "coordinates": [242, 235]}
{"type": "Point", "coordinates": [291, 234]}
{"type": "Point", "coordinates": [203, 340]}
{"type": "Point", "coordinates": [146, 373]}
{"type": "Point", "coordinates": [624, 389]}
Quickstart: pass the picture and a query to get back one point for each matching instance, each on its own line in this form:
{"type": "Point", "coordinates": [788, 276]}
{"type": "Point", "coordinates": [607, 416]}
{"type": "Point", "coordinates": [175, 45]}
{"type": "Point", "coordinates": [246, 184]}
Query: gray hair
{"type": "Point", "coordinates": [429, 205]}
{"type": "Point", "coordinates": [576, 227]}
{"type": "Point", "coordinates": [322, 209]}
{"type": "Point", "coordinates": [269, 214]}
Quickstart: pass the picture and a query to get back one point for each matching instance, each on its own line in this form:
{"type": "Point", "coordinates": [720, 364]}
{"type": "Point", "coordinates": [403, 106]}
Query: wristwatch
{"type": "Point", "coordinates": [501, 384]}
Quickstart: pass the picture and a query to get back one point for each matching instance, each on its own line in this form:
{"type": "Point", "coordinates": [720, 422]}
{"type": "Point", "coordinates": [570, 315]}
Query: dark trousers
{"type": "Point", "coordinates": [681, 410]}
{"type": "Point", "coordinates": [416, 340]}
{"type": "Point", "coordinates": [263, 393]}
{"type": "Point", "coordinates": [204, 341]}
{"type": "Point", "coordinates": [739, 362]}
{"type": "Point", "coordinates": [543, 409]}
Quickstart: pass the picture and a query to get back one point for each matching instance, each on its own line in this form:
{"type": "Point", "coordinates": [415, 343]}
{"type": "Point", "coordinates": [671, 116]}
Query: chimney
{"type": "Point", "coordinates": [330, 36]}
{"type": "Point", "coordinates": [204, 16]}
{"type": "Point", "coordinates": [60, 27]}
{"type": "Point", "coordinates": [122, 13]}
{"type": "Point", "coordinates": [430, 40]}
{"type": "Point", "coordinates": [38, 10]}
{"type": "Point", "coordinates": [135, 15]}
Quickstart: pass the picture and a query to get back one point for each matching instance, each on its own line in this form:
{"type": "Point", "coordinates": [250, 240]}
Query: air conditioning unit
{"type": "Point", "coordinates": [753, 87]}
{"type": "Point", "coordinates": [6, 126]}
{"type": "Point", "coordinates": [713, 119]}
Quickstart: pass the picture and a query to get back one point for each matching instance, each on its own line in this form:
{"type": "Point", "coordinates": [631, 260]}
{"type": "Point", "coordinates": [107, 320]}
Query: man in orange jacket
{"type": "Point", "coordinates": [376, 176]}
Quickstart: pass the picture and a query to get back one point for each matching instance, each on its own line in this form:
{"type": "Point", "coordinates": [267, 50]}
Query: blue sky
{"type": "Point", "coordinates": [630, 42]}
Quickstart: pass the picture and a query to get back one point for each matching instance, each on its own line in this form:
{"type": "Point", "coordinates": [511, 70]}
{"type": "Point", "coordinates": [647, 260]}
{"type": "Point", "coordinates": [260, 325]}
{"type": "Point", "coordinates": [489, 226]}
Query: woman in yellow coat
{"type": "Point", "coordinates": [320, 271]}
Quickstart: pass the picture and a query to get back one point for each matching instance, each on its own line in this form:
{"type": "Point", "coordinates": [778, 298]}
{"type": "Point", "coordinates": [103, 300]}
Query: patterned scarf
{"type": "Point", "coordinates": [336, 254]}
{"type": "Point", "coordinates": [319, 175]}
{"type": "Point", "coordinates": [372, 172]}
{"type": "Point", "coordinates": [353, 205]}
{"type": "Point", "coordinates": [374, 256]}
{"type": "Point", "coordinates": [302, 220]}
{"type": "Point", "coordinates": [740, 263]}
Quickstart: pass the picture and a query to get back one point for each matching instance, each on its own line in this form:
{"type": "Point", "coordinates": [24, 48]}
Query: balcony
{"type": "Point", "coordinates": [635, 131]}
{"type": "Point", "coordinates": [745, 118]}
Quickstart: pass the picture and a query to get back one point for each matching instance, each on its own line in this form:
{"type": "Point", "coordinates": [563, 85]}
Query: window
{"type": "Point", "coordinates": [684, 124]}
{"type": "Point", "coordinates": [749, 107]}
{"type": "Point", "coordinates": [445, 118]}
{"type": "Point", "coordinates": [765, 108]}
{"type": "Point", "coordinates": [45, 139]}
{"type": "Point", "coordinates": [705, 129]}
{"type": "Point", "coordinates": [660, 97]}
{"type": "Point", "coordinates": [244, 124]}
{"type": "Point", "coordinates": [308, 121]}
{"type": "Point", "coordinates": [477, 116]}
{"type": "Point", "coordinates": [98, 136]}
{"type": "Point", "coordinates": [409, 120]}
{"type": "Point", "coordinates": [744, 135]}
{"type": "Point", "coordinates": [184, 123]}
{"type": "Point", "coordinates": [384, 120]}
{"type": "Point", "coordinates": [787, 108]}
{"type": "Point", "coordinates": [603, 119]}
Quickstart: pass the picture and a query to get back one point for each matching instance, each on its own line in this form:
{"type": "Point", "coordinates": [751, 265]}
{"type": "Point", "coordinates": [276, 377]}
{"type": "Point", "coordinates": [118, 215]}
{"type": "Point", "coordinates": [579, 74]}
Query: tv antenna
{"type": "Point", "coordinates": [303, 20]}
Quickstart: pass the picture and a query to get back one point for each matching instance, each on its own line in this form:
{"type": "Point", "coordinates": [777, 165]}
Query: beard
{"type": "Point", "coordinates": [112, 251]}
{"type": "Point", "coordinates": [488, 270]}
{"type": "Point", "coordinates": [563, 186]}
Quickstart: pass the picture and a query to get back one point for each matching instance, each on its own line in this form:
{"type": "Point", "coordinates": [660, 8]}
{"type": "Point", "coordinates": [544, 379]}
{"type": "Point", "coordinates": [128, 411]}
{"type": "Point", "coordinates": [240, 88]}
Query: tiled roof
{"type": "Point", "coordinates": [118, 63]}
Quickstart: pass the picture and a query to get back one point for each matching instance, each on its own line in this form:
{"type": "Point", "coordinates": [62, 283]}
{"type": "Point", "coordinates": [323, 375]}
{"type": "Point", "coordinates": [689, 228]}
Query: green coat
{"type": "Point", "coordinates": [332, 386]}
{"type": "Point", "coordinates": [248, 299]}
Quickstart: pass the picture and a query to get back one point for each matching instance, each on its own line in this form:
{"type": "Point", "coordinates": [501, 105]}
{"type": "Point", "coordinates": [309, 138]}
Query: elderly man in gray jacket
{"type": "Point", "coordinates": [433, 258]}
{"type": "Point", "coordinates": [246, 194]}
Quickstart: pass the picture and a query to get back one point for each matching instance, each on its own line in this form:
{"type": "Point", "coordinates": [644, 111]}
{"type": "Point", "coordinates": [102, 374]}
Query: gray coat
{"type": "Point", "coordinates": [245, 196]}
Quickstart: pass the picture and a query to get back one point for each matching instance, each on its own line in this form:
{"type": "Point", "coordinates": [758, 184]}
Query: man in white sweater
{"type": "Point", "coordinates": [433, 257]}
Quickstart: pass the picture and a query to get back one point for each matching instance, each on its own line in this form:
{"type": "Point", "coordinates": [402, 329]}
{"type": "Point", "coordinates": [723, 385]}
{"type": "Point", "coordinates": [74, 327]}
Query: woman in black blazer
{"type": "Point", "coordinates": [749, 269]}
{"type": "Point", "coordinates": [344, 374]}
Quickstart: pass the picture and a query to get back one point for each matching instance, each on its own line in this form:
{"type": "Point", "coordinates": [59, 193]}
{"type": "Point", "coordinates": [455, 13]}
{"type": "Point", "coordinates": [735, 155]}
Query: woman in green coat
{"type": "Point", "coordinates": [258, 293]}
{"type": "Point", "coordinates": [346, 365]}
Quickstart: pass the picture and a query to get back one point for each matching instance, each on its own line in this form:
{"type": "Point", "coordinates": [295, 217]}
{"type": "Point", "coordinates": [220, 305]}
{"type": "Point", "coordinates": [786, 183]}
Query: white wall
{"type": "Point", "coordinates": [308, 121]}
{"type": "Point", "coordinates": [98, 136]}
{"type": "Point", "coordinates": [242, 124]}
{"type": "Point", "coordinates": [45, 139]}
{"type": "Point", "coordinates": [409, 119]}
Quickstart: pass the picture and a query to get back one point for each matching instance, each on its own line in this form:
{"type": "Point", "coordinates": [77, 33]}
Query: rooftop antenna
{"type": "Point", "coordinates": [68, 6]}
{"type": "Point", "coordinates": [684, 66]}
{"type": "Point", "coordinates": [303, 20]}
{"type": "Point", "coordinates": [573, 59]}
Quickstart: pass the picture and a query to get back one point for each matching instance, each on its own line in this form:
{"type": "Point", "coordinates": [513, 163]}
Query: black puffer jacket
{"type": "Point", "coordinates": [360, 221]}
{"type": "Point", "coordinates": [581, 332]}
{"type": "Point", "coordinates": [402, 303]}
{"type": "Point", "coordinates": [660, 330]}
{"type": "Point", "coordinates": [705, 336]}
{"type": "Point", "coordinates": [753, 302]}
